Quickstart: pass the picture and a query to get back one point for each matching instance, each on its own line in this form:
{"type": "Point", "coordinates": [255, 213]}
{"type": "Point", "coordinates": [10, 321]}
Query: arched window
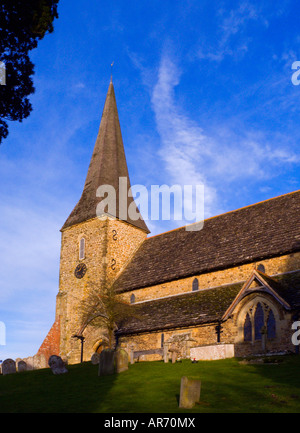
{"type": "Point", "coordinates": [258, 321]}
{"type": "Point", "coordinates": [82, 249]}
{"type": "Point", "coordinates": [132, 299]}
{"type": "Point", "coordinates": [195, 285]}
{"type": "Point", "coordinates": [247, 329]}
{"type": "Point", "coordinates": [261, 268]}
{"type": "Point", "coordinates": [271, 325]}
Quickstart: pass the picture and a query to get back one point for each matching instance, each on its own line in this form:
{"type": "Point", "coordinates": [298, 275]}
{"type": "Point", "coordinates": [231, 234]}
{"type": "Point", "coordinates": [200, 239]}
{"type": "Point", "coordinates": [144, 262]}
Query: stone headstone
{"type": "Point", "coordinates": [29, 362]}
{"type": "Point", "coordinates": [166, 353]}
{"type": "Point", "coordinates": [189, 392]}
{"type": "Point", "coordinates": [39, 362]}
{"type": "Point", "coordinates": [8, 367]}
{"type": "Point", "coordinates": [22, 366]}
{"type": "Point", "coordinates": [57, 365]}
{"type": "Point", "coordinates": [106, 362]}
{"type": "Point", "coordinates": [131, 356]}
{"type": "Point", "coordinates": [121, 360]}
{"type": "Point", "coordinates": [95, 359]}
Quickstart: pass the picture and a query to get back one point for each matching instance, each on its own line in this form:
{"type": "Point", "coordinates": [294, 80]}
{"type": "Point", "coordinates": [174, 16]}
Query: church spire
{"type": "Point", "coordinates": [108, 164]}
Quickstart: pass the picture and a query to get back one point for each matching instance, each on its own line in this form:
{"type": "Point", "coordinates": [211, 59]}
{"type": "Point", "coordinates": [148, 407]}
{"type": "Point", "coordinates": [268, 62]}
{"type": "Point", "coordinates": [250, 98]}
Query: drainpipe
{"type": "Point", "coordinates": [219, 331]}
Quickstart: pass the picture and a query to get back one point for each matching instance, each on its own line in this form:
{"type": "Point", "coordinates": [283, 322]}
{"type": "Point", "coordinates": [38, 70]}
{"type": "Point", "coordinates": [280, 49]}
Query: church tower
{"type": "Point", "coordinates": [97, 240]}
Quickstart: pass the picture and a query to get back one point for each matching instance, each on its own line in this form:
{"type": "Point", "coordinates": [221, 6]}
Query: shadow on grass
{"type": "Point", "coordinates": [154, 387]}
{"type": "Point", "coordinates": [78, 391]}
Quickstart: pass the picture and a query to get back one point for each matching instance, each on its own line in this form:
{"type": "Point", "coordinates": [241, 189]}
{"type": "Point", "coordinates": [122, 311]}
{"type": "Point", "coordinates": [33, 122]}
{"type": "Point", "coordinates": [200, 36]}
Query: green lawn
{"type": "Point", "coordinates": [153, 387]}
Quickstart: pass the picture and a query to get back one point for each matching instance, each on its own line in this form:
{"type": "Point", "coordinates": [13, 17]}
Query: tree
{"type": "Point", "coordinates": [104, 308]}
{"type": "Point", "coordinates": [23, 23]}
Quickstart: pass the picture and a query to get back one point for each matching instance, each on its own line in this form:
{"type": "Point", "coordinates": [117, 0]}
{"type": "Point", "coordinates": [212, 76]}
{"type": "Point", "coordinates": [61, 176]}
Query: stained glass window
{"type": "Point", "coordinates": [271, 325]}
{"type": "Point", "coordinates": [247, 329]}
{"type": "Point", "coordinates": [258, 321]}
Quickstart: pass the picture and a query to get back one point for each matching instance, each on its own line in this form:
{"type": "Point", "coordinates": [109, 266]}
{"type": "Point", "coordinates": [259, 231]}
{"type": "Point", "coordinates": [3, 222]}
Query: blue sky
{"type": "Point", "coordinates": [205, 96]}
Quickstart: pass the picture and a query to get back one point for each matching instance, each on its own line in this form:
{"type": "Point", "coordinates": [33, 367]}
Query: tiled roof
{"type": "Point", "coordinates": [288, 287]}
{"type": "Point", "coordinates": [261, 231]}
{"type": "Point", "coordinates": [203, 307]}
{"type": "Point", "coordinates": [191, 309]}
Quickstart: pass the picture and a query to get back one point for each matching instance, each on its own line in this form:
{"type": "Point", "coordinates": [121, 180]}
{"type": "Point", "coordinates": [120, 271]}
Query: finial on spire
{"type": "Point", "coordinates": [111, 69]}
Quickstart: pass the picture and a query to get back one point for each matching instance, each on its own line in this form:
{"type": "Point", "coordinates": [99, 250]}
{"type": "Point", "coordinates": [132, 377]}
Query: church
{"type": "Point", "coordinates": [232, 288]}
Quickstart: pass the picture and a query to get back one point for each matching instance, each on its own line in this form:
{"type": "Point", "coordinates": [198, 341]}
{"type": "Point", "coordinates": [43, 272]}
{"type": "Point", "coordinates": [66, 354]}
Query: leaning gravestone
{"type": "Point", "coordinates": [22, 366]}
{"type": "Point", "coordinates": [8, 367]}
{"type": "Point", "coordinates": [189, 393]}
{"type": "Point", "coordinates": [57, 365]}
{"type": "Point", "coordinates": [121, 360]}
{"type": "Point", "coordinates": [106, 362]}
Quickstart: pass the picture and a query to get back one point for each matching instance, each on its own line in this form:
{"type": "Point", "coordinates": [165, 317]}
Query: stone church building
{"type": "Point", "coordinates": [234, 284]}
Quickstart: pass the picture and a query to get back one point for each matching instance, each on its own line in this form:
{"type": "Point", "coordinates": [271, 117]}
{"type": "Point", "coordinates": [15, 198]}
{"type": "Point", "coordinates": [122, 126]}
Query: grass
{"type": "Point", "coordinates": [153, 387]}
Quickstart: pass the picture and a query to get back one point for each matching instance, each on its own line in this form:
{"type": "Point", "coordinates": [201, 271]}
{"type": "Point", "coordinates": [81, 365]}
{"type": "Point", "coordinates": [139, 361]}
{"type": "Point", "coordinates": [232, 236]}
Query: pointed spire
{"type": "Point", "coordinates": [111, 72]}
{"type": "Point", "coordinates": [108, 164]}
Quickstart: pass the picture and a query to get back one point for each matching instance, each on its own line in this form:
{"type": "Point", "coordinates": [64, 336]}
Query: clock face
{"type": "Point", "coordinates": [80, 270]}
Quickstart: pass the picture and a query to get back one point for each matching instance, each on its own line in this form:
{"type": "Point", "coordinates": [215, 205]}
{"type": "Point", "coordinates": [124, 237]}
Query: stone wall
{"type": "Point", "coordinates": [201, 335]}
{"type": "Point", "coordinates": [274, 266]}
{"type": "Point", "coordinates": [109, 244]}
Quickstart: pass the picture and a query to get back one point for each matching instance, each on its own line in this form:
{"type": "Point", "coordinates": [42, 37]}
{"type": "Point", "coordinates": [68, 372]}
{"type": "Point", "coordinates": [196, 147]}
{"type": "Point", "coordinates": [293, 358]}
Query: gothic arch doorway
{"type": "Point", "coordinates": [100, 345]}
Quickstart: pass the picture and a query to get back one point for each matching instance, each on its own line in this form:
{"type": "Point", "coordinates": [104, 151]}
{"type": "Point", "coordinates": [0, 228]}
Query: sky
{"type": "Point", "coordinates": [205, 96]}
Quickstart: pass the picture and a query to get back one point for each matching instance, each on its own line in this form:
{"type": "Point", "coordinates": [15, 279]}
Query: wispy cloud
{"type": "Point", "coordinates": [231, 155]}
{"type": "Point", "coordinates": [230, 24]}
{"type": "Point", "coordinates": [183, 141]}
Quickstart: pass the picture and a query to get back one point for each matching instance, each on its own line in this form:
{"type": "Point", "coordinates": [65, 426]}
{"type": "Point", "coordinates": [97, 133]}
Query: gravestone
{"type": "Point", "coordinates": [8, 367]}
{"type": "Point", "coordinates": [95, 359]}
{"type": "Point", "coordinates": [174, 357]}
{"type": "Point", "coordinates": [131, 356]}
{"type": "Point", "coordinates": [106, 362]}
{"type": "Point", "coordinates": [29, 362]}
{"type": "Point", "coordinates": [121, 361]}
{"type": "Point", "coordinates": [57, 365]}
{"type": "Point", "coordinates": [166, 353]}
{"type": "Point", "coordinates": [22, 366]}
{"type": "Point", "coordinates": [189, 393]}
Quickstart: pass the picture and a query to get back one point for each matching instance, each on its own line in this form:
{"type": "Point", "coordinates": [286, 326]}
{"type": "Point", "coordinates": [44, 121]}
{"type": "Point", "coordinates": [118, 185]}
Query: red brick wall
{"type": "Point", "coordinates": [51, 344]}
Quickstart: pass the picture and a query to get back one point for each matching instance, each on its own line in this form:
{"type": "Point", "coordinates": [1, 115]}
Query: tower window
{"type": "Point", "coordinates": [195, 285]}
{"type": "Point", "coordinates": [82, 249]}
{"type": "Point", "coordinates": [132, 299]}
